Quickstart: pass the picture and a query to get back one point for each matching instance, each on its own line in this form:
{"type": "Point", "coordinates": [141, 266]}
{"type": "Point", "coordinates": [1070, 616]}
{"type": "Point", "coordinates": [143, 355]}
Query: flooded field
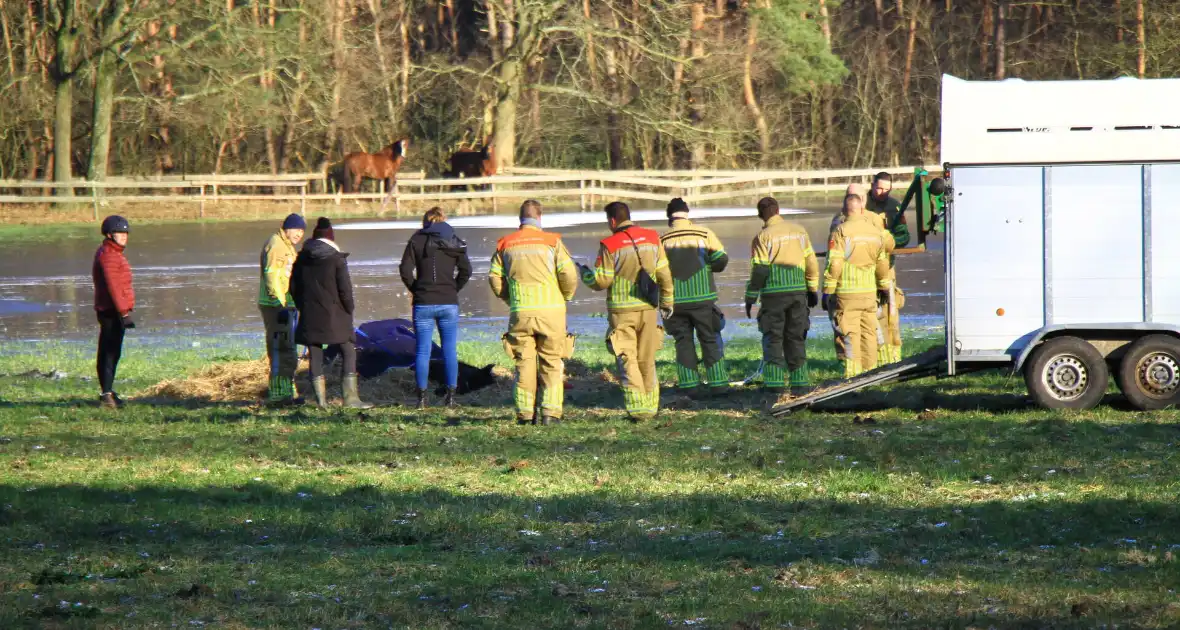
{"type": "Point", "coordinates": [201, 280]}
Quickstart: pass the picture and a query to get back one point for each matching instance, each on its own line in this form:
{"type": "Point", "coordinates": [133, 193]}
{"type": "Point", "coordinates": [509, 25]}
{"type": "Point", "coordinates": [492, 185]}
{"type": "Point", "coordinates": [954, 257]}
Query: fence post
{"type": "Point", "coordinates": [94, 198]}
{"type": "Point", "coordinates": [302, 198]}
{"type": "Point", "coordinates": [495, 201]}
{"type": "Point", "coordinates": [397, 198]}
{"type": "Point", "coordinates": [202, 200]}
{"type": "Point", "coordinates": [582, 196]}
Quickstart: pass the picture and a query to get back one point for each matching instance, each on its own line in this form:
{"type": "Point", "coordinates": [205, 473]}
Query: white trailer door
{"type": "Point", "coordinates": [1164, 252]}
{"type": "Point", "coordinates": [996, 259]}
{"type": "Point", "coordinates": [1095, 244]}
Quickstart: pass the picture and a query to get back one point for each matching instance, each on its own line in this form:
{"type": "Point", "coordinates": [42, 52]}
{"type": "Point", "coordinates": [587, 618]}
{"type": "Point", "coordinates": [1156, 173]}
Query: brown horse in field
{"type": "Point", "coordinates": [384, 166]}
{"type": "Point", "coordinates": [472, 163]}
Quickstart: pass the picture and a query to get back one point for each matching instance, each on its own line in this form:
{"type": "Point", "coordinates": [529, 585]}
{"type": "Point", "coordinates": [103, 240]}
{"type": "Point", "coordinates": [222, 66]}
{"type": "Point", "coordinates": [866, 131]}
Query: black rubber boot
{"type": "Point", "coordinates": [421, 399]}
{"type": "Point", "coordinates": [549, 421]}
{"type": "Point", "coordinates": [449, 399]}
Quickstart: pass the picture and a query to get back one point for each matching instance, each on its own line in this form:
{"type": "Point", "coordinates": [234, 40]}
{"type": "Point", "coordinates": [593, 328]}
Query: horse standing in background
{"type": "Point", "coordinates": [384, 166]}
{"type": "Point", "coordinates": [472, 163]}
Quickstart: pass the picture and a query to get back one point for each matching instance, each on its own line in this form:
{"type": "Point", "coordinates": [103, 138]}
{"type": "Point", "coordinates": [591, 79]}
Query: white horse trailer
{"type": "Point", "coordinates": [1062, 250]}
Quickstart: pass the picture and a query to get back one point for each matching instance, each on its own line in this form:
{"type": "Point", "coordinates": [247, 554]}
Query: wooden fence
{"type": "Point", "coordinates": [587, 186]}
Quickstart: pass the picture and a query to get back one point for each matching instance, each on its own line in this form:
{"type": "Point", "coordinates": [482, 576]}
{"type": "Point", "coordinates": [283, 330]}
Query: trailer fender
{"type": "Point", "coordinates": [1090, 332]}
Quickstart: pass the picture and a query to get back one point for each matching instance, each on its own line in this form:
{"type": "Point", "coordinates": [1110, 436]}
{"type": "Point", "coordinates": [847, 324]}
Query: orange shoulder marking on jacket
{"type": "Point", "coordinates": [528, 237]}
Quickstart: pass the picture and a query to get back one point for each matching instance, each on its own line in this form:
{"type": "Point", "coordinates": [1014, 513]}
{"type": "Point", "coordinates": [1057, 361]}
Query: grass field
{"type": "Point", "coordinates": [955, 506]}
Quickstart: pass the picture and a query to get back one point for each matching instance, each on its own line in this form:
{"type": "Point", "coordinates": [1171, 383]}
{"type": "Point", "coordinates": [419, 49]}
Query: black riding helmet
{"type": "Point", "coordinates": [115, 223]}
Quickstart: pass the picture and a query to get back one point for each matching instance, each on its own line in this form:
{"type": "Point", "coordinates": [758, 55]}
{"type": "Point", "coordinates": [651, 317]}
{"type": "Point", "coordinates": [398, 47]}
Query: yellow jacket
{"type": "Point", "coordinates": [617, 268]}
{"type": "Point", "coordinates": [531, 270]}
{"type": "Point", "coordinates": [278, 257]}
{"type": "Point", "coordinates": [858, 261]}
{"type": "Point", "coordinates": [782, 260]}
{"type": "Point", "coordinates": [694, 255]}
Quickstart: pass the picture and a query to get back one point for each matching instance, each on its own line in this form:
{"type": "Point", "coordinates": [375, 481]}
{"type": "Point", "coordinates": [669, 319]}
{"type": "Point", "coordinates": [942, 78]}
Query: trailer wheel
{"type": "Point", "coordinates": [1149, 375]}
{"type": "Point", "coordinates": [1066, 373]}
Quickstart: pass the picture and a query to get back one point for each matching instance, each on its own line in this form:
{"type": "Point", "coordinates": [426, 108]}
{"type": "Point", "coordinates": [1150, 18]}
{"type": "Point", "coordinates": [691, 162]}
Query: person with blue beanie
{"type": "Point", "coordinates": [277, 306]}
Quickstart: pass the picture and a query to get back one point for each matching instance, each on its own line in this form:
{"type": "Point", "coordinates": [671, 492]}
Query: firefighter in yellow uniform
{"type": "Point", "coordinates": [856, 278]}
{"type": "Point", "coordinates": [630, 260]}
{"type": "Point", "coordinates": [532, 271]}
{"type": "Point", "coordinates": [785, 275]}
{"type": "Point", "coordinates": [278, 309]}
{"type": "Point", "coordinates": [882, 205]}
{"type": "Point", "coordinates": [888, 332]}
{"type": "Point", "coordinates": [695, 255]}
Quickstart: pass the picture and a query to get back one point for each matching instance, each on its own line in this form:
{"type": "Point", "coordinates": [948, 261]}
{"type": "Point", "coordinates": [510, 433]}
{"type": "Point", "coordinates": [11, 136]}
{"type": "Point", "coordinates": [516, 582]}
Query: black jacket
{"type": "Point", "coordinates": [435, 265]}
{"type": "Point", "coordinates": [322, 290]}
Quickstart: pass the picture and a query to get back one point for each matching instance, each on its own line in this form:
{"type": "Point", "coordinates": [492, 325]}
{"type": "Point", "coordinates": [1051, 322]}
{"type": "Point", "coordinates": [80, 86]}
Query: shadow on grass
{"type": "Point", "coordinates": [480, 545]}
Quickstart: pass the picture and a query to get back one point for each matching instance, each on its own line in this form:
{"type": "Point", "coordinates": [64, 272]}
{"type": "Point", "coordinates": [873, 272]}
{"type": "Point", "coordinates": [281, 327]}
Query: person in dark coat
{"type": "Point", "coordinates": [322, 290]}
{"type": "Point", "coordinates": [114, 301]}
{"type": "Point", "coordinates": [435, 267]}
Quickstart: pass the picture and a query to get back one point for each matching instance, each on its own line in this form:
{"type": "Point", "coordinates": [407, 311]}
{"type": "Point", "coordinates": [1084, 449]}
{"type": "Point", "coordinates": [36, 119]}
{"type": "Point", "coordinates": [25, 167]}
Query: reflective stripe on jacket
{"type": "Point", "coordinates": [857, 259]}
{"type": "Point", "coordinates": [782, 260]}
{"type": "Point", "coordinates": [532, 270]}
{"type": "Point", "coordinates": [694, 255]}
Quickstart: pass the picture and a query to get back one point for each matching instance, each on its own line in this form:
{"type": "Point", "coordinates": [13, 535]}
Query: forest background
{"type": "Point", "coordinates": [96, 87]}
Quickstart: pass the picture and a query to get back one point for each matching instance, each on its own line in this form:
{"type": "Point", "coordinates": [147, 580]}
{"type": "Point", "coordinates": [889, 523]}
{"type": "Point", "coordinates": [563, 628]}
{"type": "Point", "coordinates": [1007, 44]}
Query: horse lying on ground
{"type": "Point", "coordinates": [384, 165]}
{"type": "Point", "coordinates": [390, 343]}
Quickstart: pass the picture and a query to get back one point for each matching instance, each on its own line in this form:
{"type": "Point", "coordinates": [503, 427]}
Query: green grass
{"type": "Point", "coordinates": [981, 512]}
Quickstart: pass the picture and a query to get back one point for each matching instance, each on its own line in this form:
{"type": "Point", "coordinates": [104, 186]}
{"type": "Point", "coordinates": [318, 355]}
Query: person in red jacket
{"type": "Point", "coordinates": [114, 301]}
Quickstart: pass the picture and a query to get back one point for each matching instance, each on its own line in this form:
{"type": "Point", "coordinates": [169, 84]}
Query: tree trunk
{"type": "Point", "coordinates": [986, 34]}
{"type": "Point", "coordinates": [504, 127]}
{"type": "Point", "coordinates": [909, 52]}
{"type": "Point", "coordinates": [1001, 35]}
{"type": "Point", "coordinates": [454, 24]}
{"type": "Point", "coordinates": [405, 70]}
{"type": "Point", "coordinates": [672, 146]}
{"type": "Point", "coordinates": [338, 12]}
{"type": "Point", "coordinates": [7, 41]}
{"type": "Point", "coordinates": [696, 99]}
{"type": "Point", "coordinates": [748, 90]}
{"type": "Point", "coordinates": [614, 132]}
{"type": "Point", "coordinates": [1118, 16]}
{"type": "Point", "coordinates": [104, 107]}
{"type": "Point", "coordinates": [591, 51]}
{"type": "Point", "coordinates": [1141, 38]}
{"type": "Point", "coordinates": [66, 41]}
{"type": "Point", "coordinates": [383, 65]}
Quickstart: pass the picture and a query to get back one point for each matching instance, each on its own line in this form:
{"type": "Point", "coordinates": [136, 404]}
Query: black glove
{"type": "Point", "coordinates": [749, 306]}
{"type": "Point", "coordinates": [284, 317]}
{"type": "Point", "coordinates": [128, 322]}
{"type": "Point", "coordinates": [666, 312]}
{"type": "Point", "coordinates": [883, 296]}
{"type": "Point", "coordinates": [826, 302]}
{"type": "Point", "coordinates": [812, 299]}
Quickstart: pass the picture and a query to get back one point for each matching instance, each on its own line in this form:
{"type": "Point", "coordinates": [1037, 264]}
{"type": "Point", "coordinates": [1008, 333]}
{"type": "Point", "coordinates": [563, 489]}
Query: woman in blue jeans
{"type": "Point", "coordinates": [434, 268]}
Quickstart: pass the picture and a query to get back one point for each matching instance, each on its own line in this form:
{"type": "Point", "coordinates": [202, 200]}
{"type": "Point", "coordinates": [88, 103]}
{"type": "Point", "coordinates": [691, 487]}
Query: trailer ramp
{"type": "Point", "coordinates": [928, 363]}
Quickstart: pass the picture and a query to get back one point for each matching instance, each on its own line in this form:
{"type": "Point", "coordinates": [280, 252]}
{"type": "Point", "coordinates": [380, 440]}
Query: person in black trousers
{"type": "Point", "coordinates": [322, 289]}
{"type": "Point", "coordinates": [114, 301]}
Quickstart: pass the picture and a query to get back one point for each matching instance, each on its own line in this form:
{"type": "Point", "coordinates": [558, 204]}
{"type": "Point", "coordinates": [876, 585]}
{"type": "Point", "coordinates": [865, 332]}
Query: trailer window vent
{"type": "Point", "coordinates": [1134, 128]}
{"type": "Point", "coordinates": [1081, 129]}
{"type": "Point", "coordinates": [1004, 130]}
{"type": "Point", "coordinates": [1170, 127]}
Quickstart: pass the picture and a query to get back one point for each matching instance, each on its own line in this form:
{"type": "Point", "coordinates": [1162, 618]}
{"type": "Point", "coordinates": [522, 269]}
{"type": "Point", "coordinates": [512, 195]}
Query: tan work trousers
{"type": "Point", "coordinates": [537, 342]}
{"type": "Point", "coordinates": [889, 321]}
{"type": "Point", "coordinates": [855, 323]}
{"type": "Point", "coordinates": [634, 337]}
